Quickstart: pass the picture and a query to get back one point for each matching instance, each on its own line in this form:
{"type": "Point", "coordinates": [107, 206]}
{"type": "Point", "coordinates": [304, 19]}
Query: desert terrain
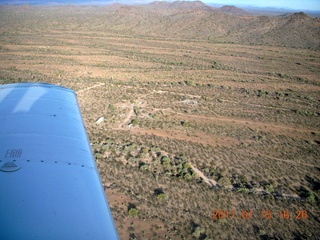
{"type": "Point", "coordinates": [204, 123]}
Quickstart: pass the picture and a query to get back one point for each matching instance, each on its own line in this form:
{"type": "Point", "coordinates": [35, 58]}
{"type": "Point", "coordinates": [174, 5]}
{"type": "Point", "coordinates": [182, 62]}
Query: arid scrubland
{"type": "Point", "coordinates": [189, 126]}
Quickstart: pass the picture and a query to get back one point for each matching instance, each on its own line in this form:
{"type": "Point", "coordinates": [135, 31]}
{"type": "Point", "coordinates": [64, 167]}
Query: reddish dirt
{"type": "Point", "coordinates": [196, 137]}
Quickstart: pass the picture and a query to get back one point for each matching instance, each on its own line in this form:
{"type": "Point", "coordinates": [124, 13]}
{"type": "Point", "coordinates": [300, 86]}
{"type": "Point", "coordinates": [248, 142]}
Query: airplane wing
{"type": "Point", "coordinates": [49, 184]}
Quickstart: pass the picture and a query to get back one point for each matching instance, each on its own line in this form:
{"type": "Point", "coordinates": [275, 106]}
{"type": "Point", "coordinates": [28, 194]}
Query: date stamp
{"type": "Point", "coordinates": [263, 214]}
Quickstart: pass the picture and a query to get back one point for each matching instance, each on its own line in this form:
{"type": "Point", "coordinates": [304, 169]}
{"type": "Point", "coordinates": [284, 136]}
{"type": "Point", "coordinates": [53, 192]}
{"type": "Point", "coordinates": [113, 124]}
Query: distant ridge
{"type": "Point", "coordinates": [189, 5]}
{"type": "Point", "coordinates": [299, 16]}
{"type": "Point", "coordinates": [180, 5]}
{"type": "Point", "coordinates": [232, 10]}
{"type": "Point", "coordinates": [159, 4]}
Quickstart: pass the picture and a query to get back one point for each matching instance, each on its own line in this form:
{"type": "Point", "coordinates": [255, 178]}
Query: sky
{"type": "Point", "coordinates": [311, 5]}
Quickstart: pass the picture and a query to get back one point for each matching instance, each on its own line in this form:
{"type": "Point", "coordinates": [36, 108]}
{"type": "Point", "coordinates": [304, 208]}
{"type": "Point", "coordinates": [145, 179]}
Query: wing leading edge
{"type": "Point", "coordinates": [50, 186]}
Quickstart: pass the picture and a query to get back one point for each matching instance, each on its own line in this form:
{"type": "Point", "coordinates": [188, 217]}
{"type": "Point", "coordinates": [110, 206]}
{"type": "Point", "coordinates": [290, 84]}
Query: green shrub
{"type": "Point", "coordinates": [187, 177]}
{"type": "Point", "coordinates": [311, 198]}
{"type": "Point", "coordinates": [165, 161]}
{"type": "Point", "coordinates": [134, 122]}
{"type": "Point", "coordinates": [161, 197]}
{"type": "Point", "coordinates": [187, 165]}
{"type": "Point", "coordinates": [111, 108]}
{"type": "Point", "coordinates": [145, 167]}
{"type": "Point", "coordinates": [190, 83]}
{"type": "Point", "coordinates": [224, 181]}
{"type": "Point", "coordinates": [198, 233]}
{"type": "Point", "coordinates": [133, 212]}
{"type": "Point", "coordinates": [185, 124]}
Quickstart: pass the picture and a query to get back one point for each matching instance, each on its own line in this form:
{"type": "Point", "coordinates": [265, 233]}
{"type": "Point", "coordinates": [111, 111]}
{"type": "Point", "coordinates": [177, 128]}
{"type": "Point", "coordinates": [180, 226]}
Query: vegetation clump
{"type": "Point", "coordinates": [134, 122]}
{"type": "Point", "coordinates": [133, 212]}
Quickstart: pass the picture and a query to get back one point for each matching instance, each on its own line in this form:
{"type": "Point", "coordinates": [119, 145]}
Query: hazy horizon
{"type": "Point", "coordinates": [306, 5]}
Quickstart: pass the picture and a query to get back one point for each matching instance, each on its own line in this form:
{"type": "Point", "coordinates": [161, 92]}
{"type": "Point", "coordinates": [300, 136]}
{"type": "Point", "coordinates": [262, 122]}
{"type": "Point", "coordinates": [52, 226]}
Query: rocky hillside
{"type": "Point", "coordinates": [180, 19]}
{"type": "Point", "coordinates": [226, 24]}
